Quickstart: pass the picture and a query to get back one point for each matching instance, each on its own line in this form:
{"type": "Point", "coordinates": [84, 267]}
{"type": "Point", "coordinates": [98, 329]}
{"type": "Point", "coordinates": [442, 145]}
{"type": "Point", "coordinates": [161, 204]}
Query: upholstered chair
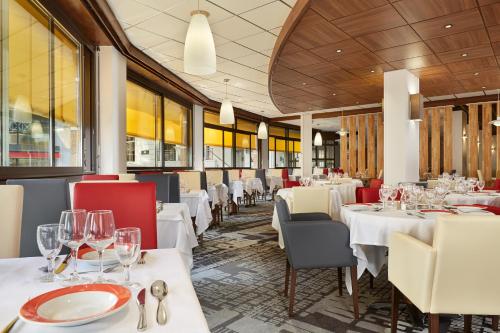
{"type": "Point", "coordinates": [161, 182]}
{"type": "Point", "coordinates": [215, 176]}
{"type": "Point", "coordinates": [311, 199]}
{"type": "Point", "coordinates": [126, 177]}
{"type": "Point", "coordinates": [313, 240]}
{"type": "Point", "coordinates": [456, 274]}
{"type": "Point", "coordinates": [190, 179]}
{"type": "Point", "coordinates": [11, 211]}
{"type": "Point", "coordinates": [248, 173]}
{"type": "Point", "coordinates": [174, 188]}
{"type": "Point", "coordinates": [100, 177]}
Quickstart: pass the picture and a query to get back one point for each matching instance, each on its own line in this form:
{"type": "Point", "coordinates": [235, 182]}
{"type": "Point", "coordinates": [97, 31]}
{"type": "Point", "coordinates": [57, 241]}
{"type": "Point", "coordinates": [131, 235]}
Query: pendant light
{"type": "Point", "coordinates": [226, 116]}
{"type": "Point", "coordinates": [262, 132]}
{"type": "Point", "coordinates": [199, 47]}
{"type": "Point", "coordinates": [496, 122]}
{"type": "Point", "coordinates": [342, 131]}
{"type": "Point", "coordinates": [318, 139]}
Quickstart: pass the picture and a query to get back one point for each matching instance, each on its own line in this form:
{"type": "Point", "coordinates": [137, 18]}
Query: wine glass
{"type": "Point", "coordinates": [49, 246]}
{"type": "Point", "coordinates": [99, 234]}
{"type": "Point", "coordinates": [381, 196]}
{"type": "Point", "coordinates": [128, 248]}
{"type": "Point", "coordinates": [72, 234]}
{"type": "Point", "coordinates": [480, 185]}
{"type": "Point", "coordinates": [393, 194]}
{"type": "Point", "coordinates": [429, 196]}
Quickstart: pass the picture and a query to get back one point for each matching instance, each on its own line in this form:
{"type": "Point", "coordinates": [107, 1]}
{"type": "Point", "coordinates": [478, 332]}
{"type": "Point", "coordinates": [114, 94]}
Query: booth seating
{"type": "Point", "coordinates": [162, 185]}
{"type": "Point", "coordinates": [11, 197]}
{"type": "Point", "coordinates": [174, 188]}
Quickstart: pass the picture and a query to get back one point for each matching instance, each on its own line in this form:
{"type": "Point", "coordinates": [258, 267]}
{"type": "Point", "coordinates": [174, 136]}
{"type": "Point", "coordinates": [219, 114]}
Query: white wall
{"type": "Point", "coordinates": [306, 144]}
{"type": "Point", "coordinates": [197, 137]}
{"type": "Point", "coordinates": [111, 115]}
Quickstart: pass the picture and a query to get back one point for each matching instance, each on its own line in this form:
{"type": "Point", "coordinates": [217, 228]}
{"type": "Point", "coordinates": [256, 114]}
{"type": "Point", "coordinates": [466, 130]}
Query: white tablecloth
{"type": "Point", "coordinates": [19, 283]}
{"type": "Point", "coordinates": [490, 199]}
{"type": "Point", "coordinates": [174, 229]}
{"type": "Point", "coordinates": [236, 190]}
{"type": "Point", "coordinates": [217, 197]}
{"type": "Point", "coordinates": [286, 194]}
{"type": "Point", "coordinates": [199, 207]}
{"type": "Point", "coordinates": [274, 182]}
{"type": "Point", "coordinates": [253, 184]}
{"type": "Point", "coordinates": [347, 190]}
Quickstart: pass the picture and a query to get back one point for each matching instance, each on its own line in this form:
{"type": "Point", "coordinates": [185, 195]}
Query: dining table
{"type": "Point", "coordinates": [347, 188]}
{"type": "Point", "coordinates": [199, 208]}
{"type": "Point", "coordinates": [236, 189]}
{"type": "Point", "coordinates": [218, 194]}
{"type": "Point", "coordinates": [274, 182]}
{"type": "Point", "coordinates": [252, 184]}
{"type": "Point", "coordinates": [20, 282]}
{"type": "Point", "coordinates": [489, 198]}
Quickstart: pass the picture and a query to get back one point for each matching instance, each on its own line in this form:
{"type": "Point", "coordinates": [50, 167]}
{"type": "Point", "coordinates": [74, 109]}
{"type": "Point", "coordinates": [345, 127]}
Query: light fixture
{"type": "Point", "coordinates": [464, 54]}
{"type": "Point", "coordinates": [199, 47]}
{"type": "Point", "coordinates": [303, 83]}
{"type": "Point", "coordinates": [334, 94]}
{"type": "Point", "coordinates": [342, 131]}
{"type": "Point", "coordinates": [36, 130]}
{"type": "Point", "coordinates": [448, 26]}
{"type": "Point", "coordinates": [262, 132]}
{"type": "Point", "coordinates": [372, 71]}
{"type": "Point", "coordinates": [318, 140]}
{"type": "Point", "coordinates": [22, 110]}
{"type": "Point", "coordinates": [339, 50]}
{"type": "Point", "coordinates": [226, 116]}
{"type": "Point", "coordinates": [476, 73]}
{"type": "Point", "coordinates": [496, 122]}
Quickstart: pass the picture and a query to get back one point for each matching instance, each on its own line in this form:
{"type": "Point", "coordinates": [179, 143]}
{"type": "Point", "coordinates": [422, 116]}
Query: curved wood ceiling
{"type": "Point", "coordinates": [307, 72]}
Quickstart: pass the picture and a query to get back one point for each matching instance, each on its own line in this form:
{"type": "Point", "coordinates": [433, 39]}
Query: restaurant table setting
{"type": "Point", "coordinates": [218, 194]}
{"type": "Point", "coordinates": [274, 182]}
{"type": "Point", "coordinates": [346, 187]}
{"type": "Point", "coordinates": [236, 190]}
{"type": "Point", "coordinates": [253, 185]}
{"type": "Point", "coordinates": [199, 207]}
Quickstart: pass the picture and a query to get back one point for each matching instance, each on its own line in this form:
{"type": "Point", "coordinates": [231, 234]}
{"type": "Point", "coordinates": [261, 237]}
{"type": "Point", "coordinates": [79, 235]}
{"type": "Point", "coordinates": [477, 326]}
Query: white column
{"type": "Point", "coordinates": [112, 73]}
{"type": "Point", "coordinates": [401, 136]}
{"type": "Point", "coordinates": [457, 142]}
{"type": "Point", "coordinates": [306, 144]}
{"type": "Point", "coordinates": [198, 137]}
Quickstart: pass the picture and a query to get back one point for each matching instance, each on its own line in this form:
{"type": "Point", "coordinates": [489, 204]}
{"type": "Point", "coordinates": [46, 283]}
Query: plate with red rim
{"type": "Point", "coordinates": [75, 305]}
{"type": "Point", "coordinates": [90, 256]}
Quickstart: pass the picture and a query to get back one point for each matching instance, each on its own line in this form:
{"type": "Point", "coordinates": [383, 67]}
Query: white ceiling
{"type": "Point", "coordinates": [244, 32]}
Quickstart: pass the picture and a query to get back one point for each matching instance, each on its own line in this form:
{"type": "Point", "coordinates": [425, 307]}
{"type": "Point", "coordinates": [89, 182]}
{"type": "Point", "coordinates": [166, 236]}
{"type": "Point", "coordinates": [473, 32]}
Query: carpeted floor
{"type": "Point", "coordinates": [239, 272]}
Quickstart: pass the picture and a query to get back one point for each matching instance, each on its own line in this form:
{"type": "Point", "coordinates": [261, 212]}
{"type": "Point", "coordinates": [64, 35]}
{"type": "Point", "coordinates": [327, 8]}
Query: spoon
{"type": "Point", "coordinates": [159, 290]}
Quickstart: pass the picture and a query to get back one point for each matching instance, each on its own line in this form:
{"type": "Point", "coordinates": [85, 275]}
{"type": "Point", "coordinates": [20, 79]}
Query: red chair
{"type": "Point", "coordinates": [369, 195]}
{"type": "Point", "coordinates": [290, 183]}
{"type": "Point", "coordinates": [284, 174]}
{"type": "Point", "coordinates": [359, 199]}
{"type": "Point", "coordinates": [100, 177]}
{"type": "Point", "coordinates": [133, 205]}
{"type": "Point", "coordinates": [325, 171]}
{"type": "Point", "coordinates": [376, 183]}
{"type": "Point", "coordinates": [495, 187]}
{"type": "Point", "coordinates": [492, 209]}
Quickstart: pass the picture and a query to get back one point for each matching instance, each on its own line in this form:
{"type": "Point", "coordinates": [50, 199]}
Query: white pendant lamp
{"type": "Point", "coordinates": [262, 132]}
{"type": "Point", "coordinates": [496, 122]}
{"type": "Point", "coordinates": [226, 116]}
{"type": "Point", "coordinates": [22, 110]}
{"type": "Point", "coordinates": [318, 139]}
{"type": "Point", "coordinates": [199, 47]}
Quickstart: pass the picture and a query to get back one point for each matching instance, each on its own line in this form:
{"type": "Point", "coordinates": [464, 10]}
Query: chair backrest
{"type": "Point", "coordinates": [247, 173]}
{"type": "Point", "coordinates": [290, 183]}
{"type": "Point", "coordinates": [375, 183]}
{"type": "Point", "coordinates": [190, 179]}
{"type": "Point", "coordinates": [497, 184]}
{"type": "Point", "coordinates": [311, 200]}
{"type": "Point", "coordinates": [480, 175]}
{"type": "Point", "coordinates": [284, 174]}
{"type": "Point", "coordinates": [162, 185]}
{"type": "Point", "coordinates": [369, 195]}
{"type": "Point", "coordinates": [133, 205]}
{"type": "Point", "coordinates": [297, 172]}
{"type": "Point", "coordinates": [325, 171]}
{"type": "Point", "coordinates": [233, 174]}
{"type": "Point", "coordinates": [203, 180]}
{"type": "Point", "coordinates": [467, 249]}
{"type": "Point", "coordinates": [274, 172]}
{"type": "Point", "coordinates": [174, 187]}
{"type": "Point", "coordinates": [126, 177]}
{"type": "Point", "coordinates": [100, 177]}
{"type": "Point", "coordinates": [225, 177]}
{"type": "Point", "coordinates": [282, 210]}
{"type": "Point", "coordinates": [215, 176]}
{"type": "Point", "coordinates": [11, 210]}
{"type": "Point", "coordinates": [261, 174]}
{"type": "Point", "coordinates": [44, 200]}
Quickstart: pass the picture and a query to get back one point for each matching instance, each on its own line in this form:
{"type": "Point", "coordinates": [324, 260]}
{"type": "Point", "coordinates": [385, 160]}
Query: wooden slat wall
{"type": "Point", "coordinates": [447, 139]}
{"type": "Point", "coordinates": [361, 143]}
{"type": "Point", "coordinates": [424, 144]}
{"type": "Point", "coordinates": [486, 141]}
{"type": "Point", "coordinates": [435, 141]}
{"type": "Point", "coordinates": [343, 147]}
{"type": "Point", "coordinates": [472, 138]}
{"type": "Point", "coordinates": [352, 146]}
{"type": "Point", "coordinates": [371, 145]}
{"type": "Point", "coordinates": [380, 143]}
{"type": "Point", "coordinates": [498, 144]}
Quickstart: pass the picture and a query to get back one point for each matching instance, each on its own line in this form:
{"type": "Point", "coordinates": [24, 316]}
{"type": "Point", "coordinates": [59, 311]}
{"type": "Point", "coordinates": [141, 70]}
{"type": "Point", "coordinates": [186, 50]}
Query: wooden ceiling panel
{"type": "Point", "coordinates": [420, 10]}
{"type": "Point", "coordinates": [417, 62]}
{"type": "Point", "coordinates": [294, 60]}
{"type": "Point", "coordinates": [462, 21]}
{"type": "Point", "coordinates": [347, 46]}
{"type": "Point", "coordinates": [404, 51]}
{"type": "Point", "coordinates": [458, 41]}
{"type": "Point", "coordinates": [333, 77]}
{"type": "Point", "coordinates": [336, 9]}
{"type": "Point", "coordinates": [494, 32]}
{"type": "Point", "coordinates": [469, 53]}
{"type": "Point", "coordinates": [357, 60]}
{"type": "Point", "coordinates": [473, 65]}
{"type": "Point", "coordinates": [375, 70]}
{"type": "Point", "coordinates": [389, 38]}
{"type": "Point", "coordinates": [315, 25]}
{"type": "Point", "coordinates": [431, 70]}
{"type": "Point", "coordinates": [491, 14]}
{"type": "Point", "coordinates": [318, 69]}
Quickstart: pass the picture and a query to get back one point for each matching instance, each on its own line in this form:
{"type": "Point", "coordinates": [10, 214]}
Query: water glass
{"type": "Point", "coordinates": [480, 185]}
{"type": "Point", "coordinates": [99, 234]}
{"type": "Point", "coordinates": [49, 246]}
{"type": "Point", "coordinates": [72, 234]}
{"type": "Point", "coordinates": [128, 249]}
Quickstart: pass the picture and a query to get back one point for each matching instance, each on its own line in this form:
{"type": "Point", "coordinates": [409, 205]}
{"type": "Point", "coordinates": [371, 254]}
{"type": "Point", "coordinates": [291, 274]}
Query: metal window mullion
{"type": "Point", "coordinates": [52, 120]}
{"type": "Point", "coordinates": [4, 110]}
{"type": "Point", "coordinates": [162, 134]}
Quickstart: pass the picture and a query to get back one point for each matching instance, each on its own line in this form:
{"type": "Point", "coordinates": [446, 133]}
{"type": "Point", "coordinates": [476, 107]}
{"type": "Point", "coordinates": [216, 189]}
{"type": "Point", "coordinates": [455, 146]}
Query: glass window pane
{"type": "Point", "coordinates": [280, 153]}
{"type": "Point", "coordinates": [246, 125]}
{"type": "Point", "coordinates": [213, 148]}
{"type": "Point", "coordinates": [243, 150]}
{"type": "Point", "coordinates": [228, 149]}
{"type": "Point", "coordinates": [177, 142]}
{"type": "Point", "coordinates": [254, 153]}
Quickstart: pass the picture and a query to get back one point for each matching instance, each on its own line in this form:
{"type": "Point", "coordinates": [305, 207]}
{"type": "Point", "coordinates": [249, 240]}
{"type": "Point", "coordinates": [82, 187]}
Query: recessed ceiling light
{"type": "Point", "coordinates": [448, 26]}
{"type": "Point", "coordinates": [372, 71]}
{"type": "Point", "coordinates": [334, 94]}
{"type": "Point", "coordinates": [357, 102]}
{"type": "Point", "coordinates": [339, 50]}
{"type": "Point", "coordinates": [464, 54]}
{"type": "Point", "coordinates": [483, 87]}
{"type": "Point", "coordinates": [476, 73]}
{"type": "Point", "coordinates": [303, 83]}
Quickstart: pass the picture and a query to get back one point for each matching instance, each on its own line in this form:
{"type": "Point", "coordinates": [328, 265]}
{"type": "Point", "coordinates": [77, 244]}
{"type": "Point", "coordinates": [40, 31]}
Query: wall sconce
{"type": "Point", "coordinates": [416, 107]}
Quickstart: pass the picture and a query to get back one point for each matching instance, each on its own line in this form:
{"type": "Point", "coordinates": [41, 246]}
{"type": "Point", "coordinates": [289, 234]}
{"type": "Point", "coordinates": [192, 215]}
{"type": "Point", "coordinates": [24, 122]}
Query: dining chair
{"type": "Point", "coordinates": [375, 183]}
{"type": "Point", "coordinates": [132, 204]}
{"type": "Point", "coordinates": [11, 211]}
{"type": "Point", "coordinates": [126, 177]}
{"type": "Point", "coordinates": [215, 176]}
{"type": "Point", "coordinates": [43, 202]}
{"type": "Point", "coordinates": [261, 174]}
{"type": "Point", "coordinates": [190, 179]}
{"type": "Point", "coordinates": [311, 199]}
{"type": "Point", "coordinates": [100, 177]}
{"type": "Point", "coordinates": [174, 187]}
{"type": "Point", "coordinates": [162, 185]}
{"type": "Point", "coordinates": [248, 173]}
{"type": "Point", "coordinates": [456, 274]}
{"type": "Point", "coordinates": [284, 174]}
{"type": "Point", "coordinates": [203, 180]}
{"type": "Point", "coordinates": [313, 240]}
{"type": "Point", "coordinates": [233, 174]}
{"type": "Point", "coordinates": [290, 183]}
{"type": "Point", "coordinates": [368, 195]}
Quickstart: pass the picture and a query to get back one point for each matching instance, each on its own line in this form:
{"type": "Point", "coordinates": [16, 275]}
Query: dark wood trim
{"type": "Point", "coordinates": [39, 172]}
{"type": "Point", "coordinates": [286, 118]}
{"type": "Point", "coordinates": [461, 101]}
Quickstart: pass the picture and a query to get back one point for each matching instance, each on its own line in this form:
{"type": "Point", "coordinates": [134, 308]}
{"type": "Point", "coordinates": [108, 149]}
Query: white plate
{"type": "Point", "coordinates": [467, 209]}
{"type": "Point", "coordinates": [359, 207]}
{"type": "Point", "coordinates": [91, 257]}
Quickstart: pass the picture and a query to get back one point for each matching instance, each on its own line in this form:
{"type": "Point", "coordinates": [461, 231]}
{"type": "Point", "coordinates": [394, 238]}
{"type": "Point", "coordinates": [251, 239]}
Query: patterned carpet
{"type": "Point", "coordinates": [239, 272]}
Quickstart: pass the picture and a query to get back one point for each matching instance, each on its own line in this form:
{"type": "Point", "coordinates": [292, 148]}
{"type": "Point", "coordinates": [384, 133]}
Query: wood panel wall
{"type": "Point", "coordinates": [370, 119]}
{"type": "Point", "coordinates": [352, 146]}
{"type": "Point", "coordinates": [447, 139]}
{"type": "Point", "coordinates": [498, 144]}
{"type": "Point", "coordinates": [380, 143]}
{"type": "Point", "coordinates": [435, 142]}
{"type": "Point", "coordinates": [472, 137]}
{"type": "Point", "coordinates": [361, 143]}
{"type": "Point", "coordinates": [424, 144]}
{"type": "Point", "coordinates": [486, 141]}
{"type": "Point", "coordinates": [343, 147]}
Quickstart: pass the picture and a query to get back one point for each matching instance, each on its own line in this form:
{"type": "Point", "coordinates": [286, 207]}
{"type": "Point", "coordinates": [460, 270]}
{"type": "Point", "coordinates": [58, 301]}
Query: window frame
{"type": "Point", "coordinates": [287, 139]}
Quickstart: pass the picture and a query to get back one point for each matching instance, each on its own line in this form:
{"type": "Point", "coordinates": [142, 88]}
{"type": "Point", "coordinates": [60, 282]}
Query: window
{"type": "Point", "coordinates": [272, 152]}
{"type": "Point", "coordinates": [177, 134]}
{"type": "Point", "coordinates": [41, 98]}
{"type": "Point", "coordinates": [214, 154]}
{"type": "Point", "coordinates": [324, 156]}
{"type": "Point", "coordinates": [284, 147]}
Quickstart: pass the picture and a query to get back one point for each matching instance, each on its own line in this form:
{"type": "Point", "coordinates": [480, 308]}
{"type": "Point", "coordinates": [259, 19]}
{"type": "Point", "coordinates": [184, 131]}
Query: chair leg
{"type": "Point", "coordinates": [494, 323]}
{"type": "Point", "coordinates": [355, 291]}
{"type": "Point", "coordinates": [287, 277]}
{"type": "Point", "coordinates": [396, 296]}
{"type": "Point", "coordinates": [371, 281]}
{"type": "Point", "coordinates": [433, 323]}
{"type": "Point", "coordinates": [339, 278]}
{"type": "Point", "coordinates": [467, 323]}
{"type": "Point", "coordinates": [293, 282]}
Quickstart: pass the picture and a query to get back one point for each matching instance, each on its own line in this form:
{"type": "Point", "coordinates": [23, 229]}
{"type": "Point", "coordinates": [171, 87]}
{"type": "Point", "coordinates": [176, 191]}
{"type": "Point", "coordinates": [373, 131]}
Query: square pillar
{"type": "Point", "coordinates": [198, 134]}
{"type": "Point", "coordinates": [306, 144]}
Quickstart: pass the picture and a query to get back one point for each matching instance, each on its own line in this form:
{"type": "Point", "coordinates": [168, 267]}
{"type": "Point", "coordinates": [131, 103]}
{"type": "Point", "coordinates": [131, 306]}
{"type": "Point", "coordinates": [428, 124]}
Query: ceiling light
{"type": "Point", "coordinates": [342, 131]}
{"type": "Point", "coordinates": [372, 71]}
{"type": "Point", "coordinates": [262, 132]}
{"type": "Point", "coordinates": [476, 73]}
{"type": "Point", "coordinates": [464, 54]}
{"type": "Point", "coordinates": [318, 140]}
{"type": "Point", "coordinates": [483, 87]}
{"type": "Point", "coordinates": [334, 94]}
{"type": "Point", "coordinates": [303, 83]}
{"type": "Point", "coordinates": [448, 26]}
{"type": "Point", "coordinates": [199, 47]}
{"type": "Point", "coordinates": [339, 50]}
{"type": "Point", "coordinates": [226, 116]}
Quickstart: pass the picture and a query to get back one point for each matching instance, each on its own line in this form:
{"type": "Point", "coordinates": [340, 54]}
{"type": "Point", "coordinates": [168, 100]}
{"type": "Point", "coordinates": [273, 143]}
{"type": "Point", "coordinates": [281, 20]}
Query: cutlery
{"type": "Point", "coordinates": [10, 325]}
{"type": "Point", "coordinates": [159, 290]}
{"type": "Point", "coordinates": [416, 215]}
{"type": "Point", "coordinates": [63, 265]}
{"type": "Point", "coordinates": [141, 302]}
{"type": "Point", "coordinates": [141, 260]}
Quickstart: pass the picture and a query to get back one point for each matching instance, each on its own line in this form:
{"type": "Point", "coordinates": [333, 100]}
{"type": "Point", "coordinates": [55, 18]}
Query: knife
{"type": "Point", "coordinates": [141, 302]}
{"type": "Point", "coordinates": [63, 265]}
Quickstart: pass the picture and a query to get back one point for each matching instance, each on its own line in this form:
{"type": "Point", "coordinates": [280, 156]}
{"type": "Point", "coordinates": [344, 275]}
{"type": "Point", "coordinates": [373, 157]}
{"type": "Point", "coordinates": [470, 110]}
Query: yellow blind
{"type": "Point", "coordinates": [294, 134]}
{"type": "Point", "coordinates": [271, 143]}
{"type": "Point", "coordinates": [297, 146]}
{"type": "Point", "coordinates": [213, 118]}
{"type": "Point", "coordinates": [212, 137]}
{"type": "Point", "coordinates": [246, 125]}
{"type": "Point", "coordinates": [242, 141]}
{"type": "Point", "coordinates": [280, 145]}
{"type": "Point", "coordinates": [141, 112]}
{"type": "Point", "coordinates": [176, 123]}
{"type": "Point", "coordinates": [228, 139]}
{"type": "Point", "coordinates": [278, 131]}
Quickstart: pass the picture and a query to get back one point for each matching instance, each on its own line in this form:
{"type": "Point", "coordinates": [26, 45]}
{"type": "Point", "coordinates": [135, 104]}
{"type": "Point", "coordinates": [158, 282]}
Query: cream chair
{"type": "Point", "coordinates": [190, 180]}
{"type": "Point", "coordinates": [125, 177]}
{"type": "Point", "coordinates": [457, 274]}
{"type": "Point", "coordinates": [480, 175]}
{"type": "Point", "coordinates": [233, 174]}
{"type": "Point", "coordinates": [311, 200]}
{"type": "Point", "coordinates": [381, 174]}
{"type": "Point", "coordinates": [274, 172]}
{"type": "Point", "coordinates": [247, 173]}
{"type": "Point", "coordinates": [11, 210]}
{"type": "Point", "coordinates": [215, 177]}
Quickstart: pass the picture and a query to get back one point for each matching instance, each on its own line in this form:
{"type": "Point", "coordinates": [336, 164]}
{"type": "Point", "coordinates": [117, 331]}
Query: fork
{"type": "Point", "coordinates": [141, 260]}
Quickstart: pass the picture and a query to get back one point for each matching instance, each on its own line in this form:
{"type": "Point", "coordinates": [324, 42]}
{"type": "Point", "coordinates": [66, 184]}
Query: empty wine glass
{"type": "Point", "coordinates": [49, 246]}
{"type": "Point", "coordinates": [480, 185]}
{"type": "Point", "coordinates": [72, 234]}
{"type": "Point", "coordinates": [99, 234]}
{"type": "Point", "coordinates": [128, 248]}
{"type": "Point", "coordinates": [381, 196]}
{"type": "Point", "coordinates": [393, 194]}
{"type": "Point", "coordinates": [429, 196]}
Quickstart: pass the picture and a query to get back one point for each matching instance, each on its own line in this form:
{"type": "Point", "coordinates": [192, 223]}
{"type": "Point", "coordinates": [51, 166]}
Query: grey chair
{"type": "Point", "coordinates": [174, 188]}
{"type": "Point", "coordinates": [261, 174]}
{"type": "Point", "coordinates": [203, 180]}
{"type": "Point", "coordinates": [225, 177]}
{"type": "Point", "coordinates": [44, 200]}
{"type": "Point", "coordinates": [313, 240]}
{"type": "Point", "coordinates": [161, 181]}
